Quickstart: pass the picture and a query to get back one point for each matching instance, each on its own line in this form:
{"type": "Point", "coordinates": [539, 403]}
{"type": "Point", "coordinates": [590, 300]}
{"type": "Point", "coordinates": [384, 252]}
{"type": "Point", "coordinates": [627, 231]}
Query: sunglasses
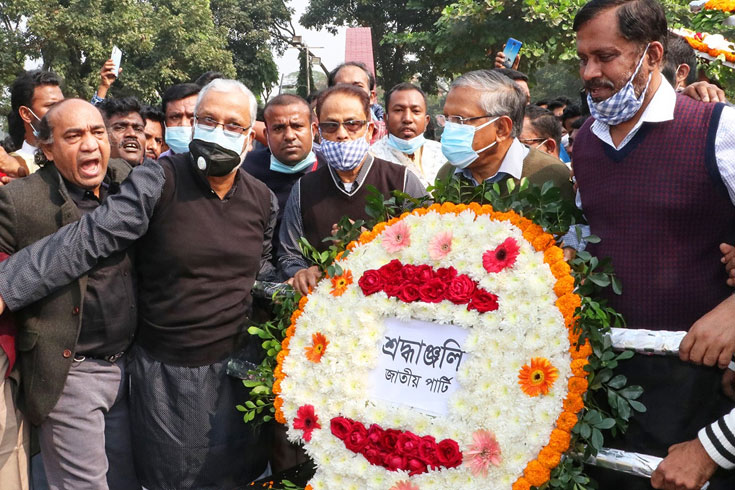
{"type": "Point", "coordinates": [353, 126]}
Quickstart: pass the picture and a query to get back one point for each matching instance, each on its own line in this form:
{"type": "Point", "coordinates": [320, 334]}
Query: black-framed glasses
{"type": "Point", "coordinates": [230, 129]}
{"type": "Point", "coordinates": [442, 120]}
{"type": "Point", "coordinates": [353, 125]}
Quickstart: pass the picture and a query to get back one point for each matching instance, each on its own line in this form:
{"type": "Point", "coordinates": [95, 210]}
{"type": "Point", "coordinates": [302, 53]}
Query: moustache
{"type": "Point", "coordinates": [598, 83]}
{"type": "Point", "coordinates": [130, 141]}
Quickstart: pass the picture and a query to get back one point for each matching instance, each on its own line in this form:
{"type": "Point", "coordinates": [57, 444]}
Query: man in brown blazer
{"type": "Point", "coordinates": [71, 344]}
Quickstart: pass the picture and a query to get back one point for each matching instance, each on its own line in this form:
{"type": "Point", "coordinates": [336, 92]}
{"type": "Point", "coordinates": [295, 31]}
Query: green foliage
{"type": "Point", "coordinates": [398, 28]}
{"type": "Point", "coordinates": [252, 35]}
{"type": "Point", "coordinates": [712, 22]}
{"type": "Point", "coordinates": [302, 87]}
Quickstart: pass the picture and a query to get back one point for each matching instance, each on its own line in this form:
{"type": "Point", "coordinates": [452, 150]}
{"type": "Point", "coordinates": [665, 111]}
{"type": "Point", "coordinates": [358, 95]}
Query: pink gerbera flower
{"type": "Point", "coordinates": [440, 245]}
{"type": "Point", "coordinates": [484, 452]}
{"type": "Point", "coordinates": [404, 485]}
{"type": "Point", "coordinates": [396, 237]}
{"type": "Point", "coordinates": [306, 420]}
{"type": "Point", "coordinates": [502, 257]}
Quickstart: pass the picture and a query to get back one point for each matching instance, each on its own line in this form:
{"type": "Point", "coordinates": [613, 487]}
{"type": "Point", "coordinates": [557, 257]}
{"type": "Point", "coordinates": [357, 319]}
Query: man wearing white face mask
{"type": "Point", "coordinates": [203, 231]}
{"type": "Point", "coordinates": [656, 175]}
{"type": "Point", "coordinates": [321, 198]}
{"type": "Point", "coordinates": [405, 143]}
{"type": "Point", "coordinates": [482, 120]}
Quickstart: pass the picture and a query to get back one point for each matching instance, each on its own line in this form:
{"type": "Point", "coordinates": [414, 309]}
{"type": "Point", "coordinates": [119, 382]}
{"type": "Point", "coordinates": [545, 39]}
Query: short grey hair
{"type": "Point", "coordinates": [227, 85]}
{"type": "Point", "coordinates": [500, 96]}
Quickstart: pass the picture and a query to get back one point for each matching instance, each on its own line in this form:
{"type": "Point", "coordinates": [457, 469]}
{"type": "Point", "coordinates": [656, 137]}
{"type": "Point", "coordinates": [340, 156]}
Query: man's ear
{"type": "Point", "coordinates": [46, 149]}
{"type": "Point", "coordinates": [551, 147]}
{"type": "Point", "coordinates": [655, 53]}
{"type": "Point", "coordinates": [504, 128]}
{"type": "Point", "coordinates": [25, 114]}
{"type": "Point", "coordinates": [681, 75]}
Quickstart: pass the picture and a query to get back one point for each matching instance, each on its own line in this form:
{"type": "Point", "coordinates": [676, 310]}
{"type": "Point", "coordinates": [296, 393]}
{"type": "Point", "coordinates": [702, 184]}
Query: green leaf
{"type": "Point", "coordinates": [608, 423]}
{"type": "Point", "coordinates": [637, 406]}
{"type": "Point", "coordinates": [240, 408]}
{"type": "Point", "coordinates": [596, 440]}
{"type": "Point", "coordinates": [618, 381]}
{"type": "Point", "coordinates": [631, 392]}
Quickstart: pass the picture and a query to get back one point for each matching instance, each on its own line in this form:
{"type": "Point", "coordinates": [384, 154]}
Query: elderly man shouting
{"type": "Point", "coordinates": [204, 230]}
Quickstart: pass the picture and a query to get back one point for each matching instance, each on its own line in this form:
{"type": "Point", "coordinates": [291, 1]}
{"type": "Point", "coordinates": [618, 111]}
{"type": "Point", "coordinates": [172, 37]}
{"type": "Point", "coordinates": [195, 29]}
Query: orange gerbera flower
{"type": "Point", "coordinates": [537, 378]}
{"type": "Point", "coordinates": [340, 283]}
{"type": "Point", "coordinates": [319, 345]}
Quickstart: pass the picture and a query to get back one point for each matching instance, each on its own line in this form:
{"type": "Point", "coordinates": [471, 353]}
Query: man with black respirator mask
{"type": "Point", "coordinates": [204, 231]}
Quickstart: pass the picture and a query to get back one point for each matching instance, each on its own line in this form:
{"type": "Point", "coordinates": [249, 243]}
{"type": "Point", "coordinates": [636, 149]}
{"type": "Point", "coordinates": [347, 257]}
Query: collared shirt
{"type": "Point", "coordinates": [28, 153]}
{"type": "Point", "coordinates": [661, 109]}
{"type": "Point", "coordinates": [512, 164]}
{"type": "Point", "coordinates": [290, 258]}
{"type": "Point", "coordinates": [425, 163]}
{"type": "Point", "coordinates": [109, 314]}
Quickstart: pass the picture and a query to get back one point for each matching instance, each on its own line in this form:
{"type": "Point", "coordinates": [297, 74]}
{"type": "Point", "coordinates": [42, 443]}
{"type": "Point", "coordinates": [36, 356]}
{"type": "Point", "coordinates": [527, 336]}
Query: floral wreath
{"type": "Point", "coordinates": [496, 275]}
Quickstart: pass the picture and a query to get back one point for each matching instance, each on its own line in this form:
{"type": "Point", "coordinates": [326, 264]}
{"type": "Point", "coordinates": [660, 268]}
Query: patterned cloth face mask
{"type": "Point", "coordinates": [344, 155]}
{"type": "Point", "coordinates": [622, 105]}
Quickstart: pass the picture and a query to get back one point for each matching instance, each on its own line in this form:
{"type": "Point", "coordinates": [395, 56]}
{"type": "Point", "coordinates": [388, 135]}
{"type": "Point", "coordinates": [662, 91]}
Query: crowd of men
{"type": "Point", "coordinates": [131, 237]}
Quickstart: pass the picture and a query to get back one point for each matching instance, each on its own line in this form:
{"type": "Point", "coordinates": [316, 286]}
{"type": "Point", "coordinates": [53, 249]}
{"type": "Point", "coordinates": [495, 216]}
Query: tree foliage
{"type": "Point", "coordinates": [163, 41]}
{"type": "Point", "coordinates": [398, 55]}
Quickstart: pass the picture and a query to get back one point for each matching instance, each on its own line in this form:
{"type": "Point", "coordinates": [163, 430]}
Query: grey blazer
{"type": "Point", "coordinates": [30, 209]}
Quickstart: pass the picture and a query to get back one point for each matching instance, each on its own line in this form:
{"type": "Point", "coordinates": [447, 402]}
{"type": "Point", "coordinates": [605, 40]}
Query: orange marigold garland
{"type": "Point", "coordinates": [537, 472]}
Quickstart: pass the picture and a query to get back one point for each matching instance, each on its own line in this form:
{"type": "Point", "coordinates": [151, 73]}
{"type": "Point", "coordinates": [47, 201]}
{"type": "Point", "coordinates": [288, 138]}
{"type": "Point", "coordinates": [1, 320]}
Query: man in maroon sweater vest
{"type": "Point", "coordinates": [656, 175]}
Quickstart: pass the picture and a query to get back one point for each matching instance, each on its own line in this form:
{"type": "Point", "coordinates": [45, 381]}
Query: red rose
{"type": "Point", "coordinates": [408, 293]}
{"type": "Point", "coordinates": [446, 274]}
{"type": "Point", "coordinates": [340, 427]}
{"type": "Point", "coordinates": [432, 291]}
{"type": "Point", "coordinates": [408, 273]}
{"type": "Point", "coordinates": [424, 274]}
{"type": "Point", "coordinates": [389, 439]}
{"type": "Point", "coordinates": [416, 467]}
{"type": "Point", "coordinates": [461, 289]}
{"type": "Point", "coordinates": [408, 444]}
{"type": "Point", "coordinates": [375, 433]}
{"type": "Point", "coordinates": [374, 456]}
{"type": "Point", "coordinates": [483, 301]}
{"type": "Point", "coordinates": [427, 451]}
{"type": "Point", "coordinates": [394, 462]}
{"type": "Point", "coordinates": [393, 290]}
{"type": "Point", "coordinates": [448, 453]}
{"type": "Point", "coordinates": [357, 439]}
{"type": "Point", "coordinates": [391, 272]}
{"type": "Point", "coordinates": [371, 282]}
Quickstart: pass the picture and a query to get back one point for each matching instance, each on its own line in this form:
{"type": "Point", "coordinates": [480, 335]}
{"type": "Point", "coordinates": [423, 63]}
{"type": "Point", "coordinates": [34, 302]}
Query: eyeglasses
{"type": "Point", "coordinates": [353, 126]}
{"type": "Point", "coordinates": [531, 141]}
{"type": "Point", "coordinates": [230, 129]}
{"type": "Point", "coordinates": [442, 120]}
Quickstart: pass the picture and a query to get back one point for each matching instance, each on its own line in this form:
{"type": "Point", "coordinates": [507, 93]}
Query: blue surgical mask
{"type": "Point", "coordinates": [218, 137]}
{"type": "Point", "coordinates": [409, 147]}
{"type": "Point", "coordinates": [622, 105]}
{"type": "Point", "coordinates": [457, 140]}
{"type": "Point", "coordinates": [277, 166]}
{"type": "Point", "coordinates": [345, 155]}
{"type": "Point", "coordinates": [178, 138]}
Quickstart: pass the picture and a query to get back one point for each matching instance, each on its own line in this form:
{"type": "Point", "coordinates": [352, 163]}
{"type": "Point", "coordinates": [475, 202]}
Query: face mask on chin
{"type": "Point", "coordinates": [622, 105]}
{"type": "Point", "coordinates": [285, 168]}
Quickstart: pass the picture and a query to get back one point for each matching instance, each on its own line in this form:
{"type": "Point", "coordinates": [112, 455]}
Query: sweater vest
{"type": "Point", "coordinates": [661, 211]}
{"type": "Point", "coordinates": [323, 205]}
{"type": "Point", "coordinates": [197, 264]}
